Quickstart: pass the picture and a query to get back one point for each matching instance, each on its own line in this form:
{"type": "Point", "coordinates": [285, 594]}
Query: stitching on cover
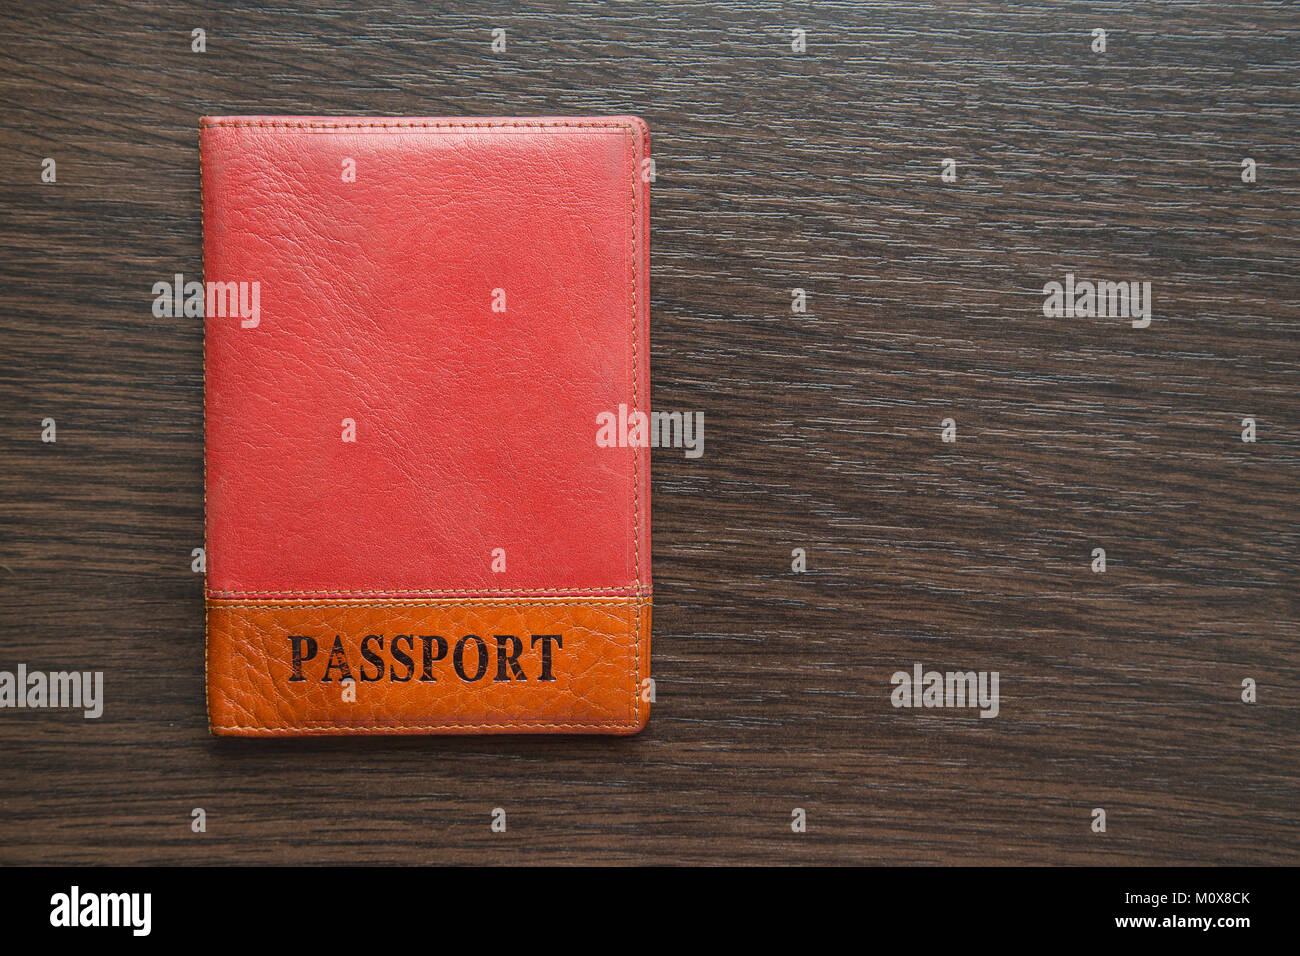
{"type": "Point", "coordinates": [203, 265]}
{"type": "Point", "coordinates": [636, 664]}
{"type": "Point", "coordinates": [636, 452]}
{"type": "Point", "coordinates": [362, 728]}
{"type": "Point", "coordinates": [465, 124]}
{"type": "Point", "coordinates": [636, 481]}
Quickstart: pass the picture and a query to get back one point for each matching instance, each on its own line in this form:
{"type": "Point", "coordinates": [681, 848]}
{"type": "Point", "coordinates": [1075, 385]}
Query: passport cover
{"type": "Point", "coordinates": [410, 524]}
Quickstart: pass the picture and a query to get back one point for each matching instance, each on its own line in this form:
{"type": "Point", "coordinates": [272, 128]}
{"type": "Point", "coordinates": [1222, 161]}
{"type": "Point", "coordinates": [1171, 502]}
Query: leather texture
{"type": "Point", "coordinates": [468, 302]}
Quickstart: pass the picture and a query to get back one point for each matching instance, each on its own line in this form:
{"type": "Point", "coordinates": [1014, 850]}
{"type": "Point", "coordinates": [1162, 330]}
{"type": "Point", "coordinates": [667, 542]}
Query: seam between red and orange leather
{"type": "Point", "coordinates": [629, 590]}
{"type": "Point", "coordinates": [502, 603]}
{"type": "Point", "coordinates": [636, 142]}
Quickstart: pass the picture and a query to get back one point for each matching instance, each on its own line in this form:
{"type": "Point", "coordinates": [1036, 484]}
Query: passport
{"type": "Point", "coordinates": [411, 527]}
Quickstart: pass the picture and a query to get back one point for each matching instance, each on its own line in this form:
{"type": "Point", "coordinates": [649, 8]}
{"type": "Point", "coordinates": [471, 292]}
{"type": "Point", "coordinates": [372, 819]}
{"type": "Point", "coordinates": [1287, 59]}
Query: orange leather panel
{"type": "Point", "coordinates": [428, 667]}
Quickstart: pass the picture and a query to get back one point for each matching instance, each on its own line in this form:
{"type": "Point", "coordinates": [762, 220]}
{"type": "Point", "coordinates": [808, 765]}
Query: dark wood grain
{"type": "Point", "coordinates": [775, 170]}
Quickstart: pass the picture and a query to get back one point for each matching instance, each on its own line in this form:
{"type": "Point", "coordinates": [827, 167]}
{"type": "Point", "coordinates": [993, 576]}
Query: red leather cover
{"type": "Point", "coordinates": [401, 437]}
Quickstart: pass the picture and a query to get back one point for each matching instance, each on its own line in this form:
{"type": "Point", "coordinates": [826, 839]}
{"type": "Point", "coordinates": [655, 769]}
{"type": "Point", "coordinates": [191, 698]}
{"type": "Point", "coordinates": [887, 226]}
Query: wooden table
{"type": "Point", "coordinates": [819, 170]}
